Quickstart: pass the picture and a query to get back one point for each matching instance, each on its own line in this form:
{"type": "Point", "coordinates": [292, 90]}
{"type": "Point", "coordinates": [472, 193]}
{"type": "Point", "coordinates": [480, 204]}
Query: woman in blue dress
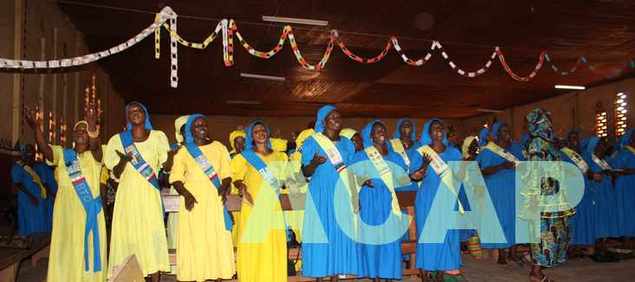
{"type": "Point", "coordinates": [497, 160]}
{"type": "Point", "coordinates": [625, 184]}
{"type": "Point", "coordinates": [606, 224]}
{"type": "Point", "coordinates": [376, 203]}
{"type": "Point", "coordinates": [445, 257]}
{"type": "Point", "coordinates": [403, 140]}
{"type": "Point", "coordinates": [32, 194]}
{"type": "Point", "coordinates": [326, 249]}
{"type": "Point", "coordinates": [582, 224]}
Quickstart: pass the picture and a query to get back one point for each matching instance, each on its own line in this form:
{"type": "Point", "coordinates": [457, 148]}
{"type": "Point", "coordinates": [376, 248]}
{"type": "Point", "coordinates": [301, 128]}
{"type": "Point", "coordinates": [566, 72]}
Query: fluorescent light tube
{"type": "Point", "coordinates": [262, 76]}
{"type": "Point", "coordinates": [570, 87]}
{"type": "Point", "coordinates": [294, 20]}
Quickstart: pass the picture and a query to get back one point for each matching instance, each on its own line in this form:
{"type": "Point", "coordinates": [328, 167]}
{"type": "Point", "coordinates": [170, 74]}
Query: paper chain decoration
{"type": "Point", "coordinates": [167, 19]}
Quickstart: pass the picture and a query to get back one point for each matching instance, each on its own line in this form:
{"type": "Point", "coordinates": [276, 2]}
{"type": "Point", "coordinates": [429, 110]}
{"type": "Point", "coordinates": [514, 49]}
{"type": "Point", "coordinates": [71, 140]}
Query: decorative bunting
{"type": "Point", "coordinates": [167, 19]}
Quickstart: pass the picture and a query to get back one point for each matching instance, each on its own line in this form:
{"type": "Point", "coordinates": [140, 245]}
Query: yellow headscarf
{"type": "Point", "coordinates": [85, 123]}
{"type": "Point", "coordinates": [466, 145]}
{"type": "Point", "coordinates": [348, 133]}
{"type": "Point", "coordinates": [278, 144]}
{"type": "Point", "coordinates": [233, 135]}
{"type": "Point", "coordinates": [178, 123]}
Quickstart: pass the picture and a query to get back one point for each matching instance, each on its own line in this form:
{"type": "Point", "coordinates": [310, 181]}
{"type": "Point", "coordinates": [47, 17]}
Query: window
{"type": "Point", "coordinates": [601, 124]}
{"type": "Point", "coordinates": [621, 119]}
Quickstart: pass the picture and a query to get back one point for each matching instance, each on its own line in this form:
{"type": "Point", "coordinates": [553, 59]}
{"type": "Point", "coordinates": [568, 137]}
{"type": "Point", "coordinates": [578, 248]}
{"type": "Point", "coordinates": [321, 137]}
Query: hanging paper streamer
{"type": "Point", "coordinates": [174, 55]}
{"type": "Point", "coordinates": [501, 58]}
{"type": "Point", "coordinates": [459, 70]}
{"type": "Point", "coordinates": [261, 54]}
{"type": "Point", "coordinates": [359, 59]}
{"type": "Point", "coordinates": [167, 19]}
{"type": "Point", "coordinates": [404, 57]}
{"type": "Point", "coordinates": [89, 58]}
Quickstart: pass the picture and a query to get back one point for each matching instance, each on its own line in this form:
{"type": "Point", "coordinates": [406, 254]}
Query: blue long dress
{"type": "Point", "coordinates": [31, 218]}
{"type": "Point", "coordinates": [341, 254]}
{"type": "Point", "coordinates": [606, 216]}
{"type": "Point", "coordinates": [377, 261]}
{"type": "Point", "coordinates": [48, 178]}
{"type": "Point", "coordinates": [501, 188]}
{"type": "Point", "coordinates": [434, 256]}
{"type": "Point", "coordinates": [582, 224]}
{"type": "Point", "coordinates": [625, 190]}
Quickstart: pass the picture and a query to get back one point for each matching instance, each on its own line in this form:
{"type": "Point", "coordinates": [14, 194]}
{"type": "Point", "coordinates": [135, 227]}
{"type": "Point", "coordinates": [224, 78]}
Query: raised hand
{"type": "Point", "coordinates": [32, 117]}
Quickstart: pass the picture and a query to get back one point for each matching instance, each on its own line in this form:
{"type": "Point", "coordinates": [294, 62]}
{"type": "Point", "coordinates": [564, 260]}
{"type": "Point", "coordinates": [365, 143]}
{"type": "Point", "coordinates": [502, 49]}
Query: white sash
{"type": "Point", "coordinates": [502, 153]}
{"type": "Point", "coordinates": [385, 174]}
{"type": "Point", "coordinates": [600, 162]}
{"type": "Point", "coordinates": [442, 170]}
{"type": "Point", "coordinates": [576, 158]}
{"type": "Point", "coordinates": [398, 147]}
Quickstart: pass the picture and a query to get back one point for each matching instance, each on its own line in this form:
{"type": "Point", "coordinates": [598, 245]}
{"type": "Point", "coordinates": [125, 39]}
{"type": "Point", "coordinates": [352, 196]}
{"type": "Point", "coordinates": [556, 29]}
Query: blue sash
{"type": "Point", "coordinates": [207, 168]}
{"type": "Point", "coordinates": [254, 160]}
{"type": "Point", "coordinates": [92, 207]}
{"type": "Point", "coordinates": [137, 161]}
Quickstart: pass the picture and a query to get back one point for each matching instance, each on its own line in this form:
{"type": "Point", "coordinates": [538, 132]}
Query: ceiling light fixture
{"type": "Point", "coordinates": [488, 110]}
{"type": "Point", "coordinates": [262, 76]}
{"type": "Point", "coordinates": [242, 102]}
{"type": "Point", "coordinates": [570, 87]}
{"type": "Point", "coordinates": [294, 20]}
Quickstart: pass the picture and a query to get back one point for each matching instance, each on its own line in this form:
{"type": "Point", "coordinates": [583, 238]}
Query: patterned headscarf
{"type": "Point", "coordinates": [147, 124]}
{"type": "Point", "coordinates": [465, 148]}
{"type": "Point", "coordinates": [539, 124]}
{"type": "Point", "coordinates": [323, 112]}
{"type": "Point", "coordinates": [425, 138]}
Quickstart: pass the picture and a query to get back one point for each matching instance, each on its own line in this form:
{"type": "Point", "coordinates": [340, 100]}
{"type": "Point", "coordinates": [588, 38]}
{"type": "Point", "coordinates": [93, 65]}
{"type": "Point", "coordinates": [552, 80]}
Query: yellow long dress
{"type": "Point", "coordinates": [204, 247]}
{"type": "Point", "coordinates": [66, 258]}
{"type": "Point", "coordinates": [137, 222]}
{"type": "Point", "coordinates": [262, 247]}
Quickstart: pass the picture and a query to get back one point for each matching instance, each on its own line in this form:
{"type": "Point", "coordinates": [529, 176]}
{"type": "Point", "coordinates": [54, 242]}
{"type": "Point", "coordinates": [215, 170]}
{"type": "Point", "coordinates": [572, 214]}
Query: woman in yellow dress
{"type": "Point", "coordinates": [258, 173]}
{"type": "Point", "coordinates": [202, 175]}
{"type": "Point", "coordinates": [135, 156]}
{"type": "Point", "coordinates": [78, 239]}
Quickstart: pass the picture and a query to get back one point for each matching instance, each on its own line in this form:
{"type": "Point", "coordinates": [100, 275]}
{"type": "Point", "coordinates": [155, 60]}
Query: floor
{"type": "Point", "coordinates": [578, 270]}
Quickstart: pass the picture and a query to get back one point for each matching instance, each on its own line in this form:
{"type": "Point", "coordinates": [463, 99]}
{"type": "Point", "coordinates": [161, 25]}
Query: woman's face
{"type": "Point", "coordinates": [239, 144]}
{"type": "Point", "coordinates": [436, 131]}
{"type": "Point", "coordinates": [334, 121]}
{"type": "Point", "coordinates": [199, 129]}
{"type": "Point", "coordinates": [358, 142]}
{"type": "Point", "coordinates": [378, 133]}
{"type": "Point", "coordinates": [80, 134]}
{"type": "Point", "coordinates": [260, 134]}
{"type": "Point", "coordinates": [573, 140]}
{"type": "Point", "coordinates": [136, 114]}
{"type": "Point", "coordinates": [405, 129]}
{"type": "Point", "coordinates": [504, 135]}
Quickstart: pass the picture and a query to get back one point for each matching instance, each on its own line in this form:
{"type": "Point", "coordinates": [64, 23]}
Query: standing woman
{"type": "Point", "coordinates": [498, 162]}
{"type": "Point", "coordinates": [429, 164]}
{"type": "Point", "coordinates": [135, 156]}
{"type": "Point", "coordinates": [202, 175]}
{"type": "Point", "coordinates": [606, 215]}
{"type": "Point", "coordinates": [32, 193]}
{"type": "Point", "coordinates": [236, 142]}
{"type": "Point", "coordinates": [404, 138]}
{"type": "Point", "coordinates": [259, 173]}
{"type": "Point", "coordinates": [554, 230]}
{"type": "Point", "coordinates": [78, 240]}
{"type": "Point", "coordinates": [377, 201]}
{"type": "Point", "coordinates": [625, 185]}
{"type": "Point", "coordinates": [324, 158]}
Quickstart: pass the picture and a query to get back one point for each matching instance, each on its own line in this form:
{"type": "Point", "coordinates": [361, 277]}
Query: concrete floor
{"type": "Point", "coordinates": [577, 270]}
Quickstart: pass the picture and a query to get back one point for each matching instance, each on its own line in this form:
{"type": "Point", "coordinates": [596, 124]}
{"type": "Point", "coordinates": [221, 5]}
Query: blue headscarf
{"type": "Point", "coordinates": [249, 138]}
{"type": "Point", "coordinates": [626, 138]}
{"type": "Point", "coordinates": [367, 132]}
{"type": "Point", "coordinates": [425, 138]}
{"type": "Point", "coordinates": [590, 144]}
{"type": "Point", "coordinates": [322, 113]}
{"type": "Point", "coordinates": [189, 138]}
{"type": "Point", "coordinates": [147, 124]}
{"type": "Point", "coordinates": [495, 129]}
{"type": "Point", "coordinates": [482, 136]}
{"type": "Point", "coordinates": [413, 133]}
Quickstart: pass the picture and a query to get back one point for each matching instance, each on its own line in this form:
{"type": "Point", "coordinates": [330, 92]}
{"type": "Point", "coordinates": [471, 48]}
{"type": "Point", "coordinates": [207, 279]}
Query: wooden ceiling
{"type": "Point", "coordinates": [601, 30]}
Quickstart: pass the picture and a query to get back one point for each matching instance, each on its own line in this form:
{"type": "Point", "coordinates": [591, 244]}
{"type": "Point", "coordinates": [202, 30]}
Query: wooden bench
{"type": "Point", "coordinates": [406, 202]}
{"type": "Point", "coordinates": [10, 258]}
